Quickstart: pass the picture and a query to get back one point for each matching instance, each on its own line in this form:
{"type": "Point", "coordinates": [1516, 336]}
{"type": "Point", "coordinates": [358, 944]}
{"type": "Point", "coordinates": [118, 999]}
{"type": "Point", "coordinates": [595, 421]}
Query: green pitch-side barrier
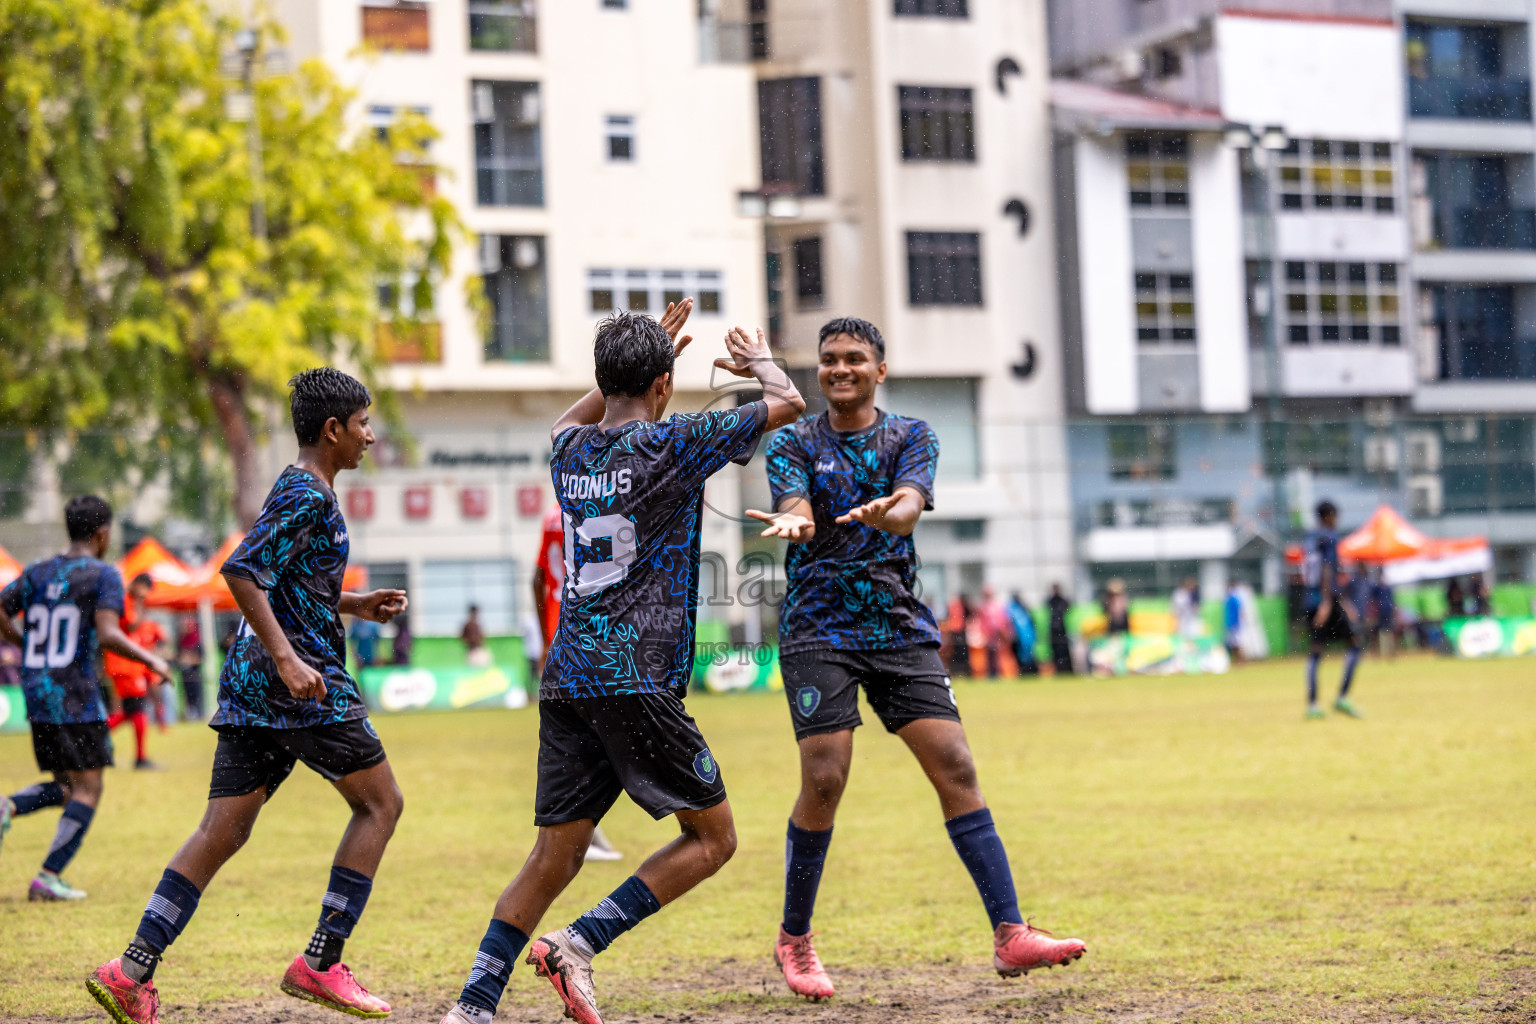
{"type": "Point", "coordinates": [1492, 637]}
{"type": "Point", "coordinates": [392, 690]}
{"type": "Point", "coordinates": [13, 710]}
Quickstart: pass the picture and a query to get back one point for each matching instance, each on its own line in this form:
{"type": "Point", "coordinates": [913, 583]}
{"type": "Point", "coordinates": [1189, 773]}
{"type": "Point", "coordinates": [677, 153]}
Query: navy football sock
{"type": "Point", "coordinates": [981, 851]}
{"type": "Point", "coordinates": [493, 965]}
{"type": "Point", "coordinates": [340, 908]}
{"type": "Point", "coordinates": [169, 909]}
{"type": "Point", "coordinates": [1350, 661]}
{"type": "Point", "coordinates": [1312, 660]}
{"type": "Point", "coordinates": [35, 798]}
{"type": "Point", "coordinates": [624, 908]}
{"type": "Point", "coordinates": [66, 841]}
{"type": "Point", "coordinates": [805, 853]}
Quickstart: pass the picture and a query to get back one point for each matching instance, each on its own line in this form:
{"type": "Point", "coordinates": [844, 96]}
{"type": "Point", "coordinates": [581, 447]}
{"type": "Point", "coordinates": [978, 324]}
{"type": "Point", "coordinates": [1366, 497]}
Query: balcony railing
{"type": "Point", "coordinates": [1163, 512]}
{"type": "Point", "coordinates": [1491, 99]}
{"type": "Point", "coordinates": [1483, 227]}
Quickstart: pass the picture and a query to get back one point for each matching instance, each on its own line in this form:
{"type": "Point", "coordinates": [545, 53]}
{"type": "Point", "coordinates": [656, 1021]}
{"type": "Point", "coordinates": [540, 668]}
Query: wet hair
{"type": "Point", "coordinates": [852, 326]}
{"type": "Point", "coordinates": [318, 395]}
{"type": "Point", "coordinates": [84, 515]}
{"type": "Point", "coordinates": [1326, 509]}
{"type": "Point", "coordinates": [631, 350]}
{"type": "Point", "coordinates": [143, 579]}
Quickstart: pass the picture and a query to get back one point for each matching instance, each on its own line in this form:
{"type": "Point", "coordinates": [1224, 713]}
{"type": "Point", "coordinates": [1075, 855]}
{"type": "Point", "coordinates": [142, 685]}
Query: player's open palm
{"type": "Point", "coordinates": [745, 350]}
{"type": "Point", "coordinates": [874, 513]}
{"type": "Point", "coordinates": [672, 322]}
{"type": "Point", "coordinates": [793, 527]}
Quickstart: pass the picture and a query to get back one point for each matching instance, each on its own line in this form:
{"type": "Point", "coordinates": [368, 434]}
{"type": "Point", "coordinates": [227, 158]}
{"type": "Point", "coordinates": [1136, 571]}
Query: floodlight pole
{"type": "Point", "coordinates": [247, 41]}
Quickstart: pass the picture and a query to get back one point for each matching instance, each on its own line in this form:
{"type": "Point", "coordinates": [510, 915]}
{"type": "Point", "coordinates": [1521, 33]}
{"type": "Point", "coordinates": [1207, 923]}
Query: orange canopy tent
{"type": "Point", "coordinates": [178, 588]}
{"type": "Point", "coordinates": [9, 568]}
{"type": "Point", "coordinates": [1406, 554]}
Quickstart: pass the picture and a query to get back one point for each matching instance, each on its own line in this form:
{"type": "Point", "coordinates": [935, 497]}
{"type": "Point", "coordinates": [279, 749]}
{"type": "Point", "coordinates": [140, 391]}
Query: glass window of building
{"type": "Point", "coordinates": [937, 123]}
{"type": "Point", "coordinates": [509, 162]}
{"type": "Point", "coordinates": [1327, 174]}
{"type": "Point", "coordinates": [621, 138]}
{"type": "Point", "coordinates": [503, 26]}
{"type": "Point", "coordinates": [1157, 169]}
{"type": "Point", "coordinates": [448, 588]}
{"type": "Point", "coordinates": [810, 287]}
{"type": "Point", "coordinates": [789, 120]}
{"type": "Point", "coordinates": [1165, 308]}
{"type": "Point", "coordinates": [517, 288]}
{"type": "Point", "coordinates": [932, 8]}
{"type": "Point", "coordinates": [1341, 302]}
{"type": "Point", "coordinates": [1142, 451]}
{"type": "Point", "coordinates": [944, 268]}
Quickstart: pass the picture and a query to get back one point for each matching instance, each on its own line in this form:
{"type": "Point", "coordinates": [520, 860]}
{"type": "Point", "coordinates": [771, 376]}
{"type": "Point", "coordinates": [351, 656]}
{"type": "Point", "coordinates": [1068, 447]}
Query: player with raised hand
{"type": "Point", "coordinates": [849, 486]}
{"type": "Point", "coordinates": [285, 696]}
{"type": "Point", "coordinates": [611, 719]}
{"type": "Point", "coordinates": [70, 606]}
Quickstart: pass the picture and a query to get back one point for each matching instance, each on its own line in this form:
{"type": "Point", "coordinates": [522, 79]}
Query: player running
{"type": "Point", "coordinates": [71, 604]}
{"type": "Point", "coordinates": [131, 680]}
{"type": "Point", "coordinates": [1330, 615]}
{"type": "Point", "coordinates": [848, 488]}
{"type": "Point", "coordinates": [611, 717]}
{"type": "Point", "coordinates": [285, 696]}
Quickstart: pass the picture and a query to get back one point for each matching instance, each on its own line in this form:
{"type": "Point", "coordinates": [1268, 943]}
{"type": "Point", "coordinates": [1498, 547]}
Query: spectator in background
{"type": "Point", "coordinates": [1480, 603]}
{"type": "Point", "coordinates": [400, 646]}
{"type": "Point", "coordinates": [1061, 644]}
{"type": "Point", "coordinates": [1386, 617]}
{"type": "Point", "coordinates": [473, 636]}
{"type": "Point", "coordinates": [1232, 622]}
{"type": "Point", "coordinates": [956, 627]}
{"type": "Point", "coordinates": [533, 648]}
{"type": "Point", "coordinates": [548, 579]}
{"type": "Point", "coordinates": [992, 618]}
{"type": "Point", "coordinates": [10, 664]}
{"type": "Point", "coordinates": [189, 660]}
{"type": "Point", "coordinates": [1117, 607]}
{"type": "Point", "coordinates": [1186, 609]}
{"type": "Point", "coordinates": [365, 641]}
{"type": "Point", "coordinates": [1455, 599]}
{"type": "Point", "coordinates": [132, 680]}
{"type": "Point", "coordinates": [1024, 636]}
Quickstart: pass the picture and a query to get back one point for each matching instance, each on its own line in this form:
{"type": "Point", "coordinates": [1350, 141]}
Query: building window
{"type": "Point", "coordinates": [503, 26]}
{"type": "Point", "coordinates": [943, 268]}
{"type": "Point", "coordinates": [1157, 168]}
{"type": "Point", "coordinates": [758, 38]}
{"type": "Point", "coordinates": [1475, 202]}
{"type": "Point", "coordinates": [397, 26]}
{"type": "Point", "coordinates": [509, 165]}
{"type": "Point", "coordinates": [948, 405]}
{"type": "Point", "coordinates": [517, 288]}
{"type": "Point", "coordinates": [1327, 174]}
{"type": "Point", "coordinates": [621, 138]}
{"type": "Point", "coordinates": [1478, 332]}
{"type": "Point", "coordinates": [789, 118]}
{"type": "Point", "coordinates": [932, 8]}
{"type": "Point", "coordinates": [1476, 71]}
{"type": "Point", "coordinates": [1334, 302]}
{"type": "Point", "coordinates": [447, 589]}
{"type": "Point", "coordinates": [1142, 451]}
{"type": "Point", "coordinates": [936, 123]}
{"type": "Point", "coordinates": [1326, 448]}
{"type": "Point", "coordinates": [615, 5]}
{"type": "Point", "coordinates": [650, 291]}
{"type": "Point", "coordinates": [1165, 308]}
{"type": "Point", "coordinates": [810, 289]}
{"type": "Point", "coordinates": [1488, 465]}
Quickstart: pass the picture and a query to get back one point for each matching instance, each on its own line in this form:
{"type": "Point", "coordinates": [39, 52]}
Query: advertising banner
{"type": "Point", "coordinates": [13, 710]}
{"type": "Point", "coordinates": [1156, 655]}
{"type": "Point", "coordinates": [721, 668]}
{"type": "Point", "coordinates": [1490, 637]}
{"type": "Point", "coordinates": [394, 690]}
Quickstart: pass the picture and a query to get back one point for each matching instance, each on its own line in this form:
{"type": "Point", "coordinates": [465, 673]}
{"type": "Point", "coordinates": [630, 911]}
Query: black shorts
{"type": "Point", "coordinates": [76, 747]}
{"type": "Point", "coordinates": [902, 686]}
{"type": "Point", "coordinates": [1337, 627]}
{"type": "Point", "coordinates": [133, 705]}
{"type": "Point", "coordinates": [250, 757]}
{"type": "Point", "coordinates": [592, 749]}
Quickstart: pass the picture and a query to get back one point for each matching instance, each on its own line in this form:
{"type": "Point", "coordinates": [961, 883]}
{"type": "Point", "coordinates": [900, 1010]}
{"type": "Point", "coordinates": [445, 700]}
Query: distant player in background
{"type": "Point", "coordinates": [72, 604]}
{"type": "Point", "coordinates": [611, 715]}
{"type": "Point", "coordinates": [1330, 614]}
{"type": "Point", "coordinates": [548, 578]}
{"type": "Point", "coordinates": [130, 679]}
{"type": "Point", "coordinates": [848, 488]}
{"type": "Point", "coordinates": [285, 696]}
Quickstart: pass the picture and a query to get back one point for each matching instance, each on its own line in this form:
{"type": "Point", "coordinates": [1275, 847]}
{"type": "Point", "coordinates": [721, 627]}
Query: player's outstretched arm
{"type": "Point", "coordinates": [110, 637]}
{"type": "Point", "coordinates": [794, 521]}
{"type": "Point", "coordinates": [895, 513]}
{"type": "Point", "coordinates": [750, 357]}
{"type": "Point", "coordinates": [376, 605]}
{"type": "Point", "coordinates": [302, 680]}
{"type": "Point", "coordinates": [8, 631]}
{"type": "Point", "coordinates": [590, 407]}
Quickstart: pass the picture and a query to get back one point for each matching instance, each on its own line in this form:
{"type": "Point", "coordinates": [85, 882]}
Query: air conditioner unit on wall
{"type": "Point", "coordinates": [1426, 496]}
{"type": "Point", "coordinates": [1423, 451]}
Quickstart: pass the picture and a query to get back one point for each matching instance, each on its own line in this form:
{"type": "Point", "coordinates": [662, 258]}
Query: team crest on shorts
{"type": "Point", "coordinates": [807, 700]}
{"type": "Point", "coordinates": [368, 724]}
{"type": "Point", "coordinates": [704, 766]}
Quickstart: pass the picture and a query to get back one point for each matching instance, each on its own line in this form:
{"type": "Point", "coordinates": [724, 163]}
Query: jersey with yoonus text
{"type": "Point", "coordinates": [58, 599]}
{"type": "Point", "coordinates": [297, 553]}
{"type": "Point", "coordinates": [852, 586]}
{"type": "Point", "coordinates": [631, 501]}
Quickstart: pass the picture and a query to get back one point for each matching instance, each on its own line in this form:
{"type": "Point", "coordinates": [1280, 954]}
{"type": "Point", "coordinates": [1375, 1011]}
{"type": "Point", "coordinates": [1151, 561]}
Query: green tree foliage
{"type": "Point", "coordinates": [134, 293]}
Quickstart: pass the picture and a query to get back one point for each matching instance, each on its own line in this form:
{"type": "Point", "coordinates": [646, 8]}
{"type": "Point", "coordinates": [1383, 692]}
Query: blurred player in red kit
{"type": "Point", "coordinates": [131, 680]}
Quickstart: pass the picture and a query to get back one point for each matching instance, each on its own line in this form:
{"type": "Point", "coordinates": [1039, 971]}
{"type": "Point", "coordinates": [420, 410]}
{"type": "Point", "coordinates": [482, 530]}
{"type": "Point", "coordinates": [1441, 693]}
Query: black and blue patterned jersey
{"type": "Point", "coordinates": [1320, 566]}
{"type": "Point", "coordinates": [297, 553]}
{"type": "Point", "coordinates": [58, 599]}
{"type": "Point", "coordinates": [631, 500]}
{"type": "Point", "coordinates": [852, 586]}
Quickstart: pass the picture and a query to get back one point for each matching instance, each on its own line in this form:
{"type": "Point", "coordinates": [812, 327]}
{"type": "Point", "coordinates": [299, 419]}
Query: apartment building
{"type": "Point", "coordinates": [1293, 267]}
{"type": "Point", "coordinates": [905, 167]}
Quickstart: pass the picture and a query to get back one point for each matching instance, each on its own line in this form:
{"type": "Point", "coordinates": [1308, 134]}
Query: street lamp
{"type": "Point", "coordinates": [1259, 141]}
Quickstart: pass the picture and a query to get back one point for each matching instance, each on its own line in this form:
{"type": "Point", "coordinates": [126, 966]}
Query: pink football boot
{"type": "Point", "coordinates": [802, 968]}
{"type": "Point", "coordinates": [335, 988]}
{"type": "Point", "coordinates": [554, 957]}
{"type": "Point", "coordinates": [1020, 948]}
{"type": "Point", "coordinates": [125, 1000]}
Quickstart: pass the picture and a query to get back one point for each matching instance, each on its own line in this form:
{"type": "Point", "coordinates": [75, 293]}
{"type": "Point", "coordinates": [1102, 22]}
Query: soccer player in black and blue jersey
{"type": "Point", "coordinates": [284, 697]}
{"type": "Point", "coordinates": [69, 606]}
{"type": "Point", "coordinates": [1330, 614]}
{"type": "Point", "coordinates": [611, 720]}
{"type": "Point", "coordinates": [849, 486]}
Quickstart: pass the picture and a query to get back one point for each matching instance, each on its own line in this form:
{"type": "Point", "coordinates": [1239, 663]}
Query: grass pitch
{"type": "Point", "coordinates": [1223, 860]}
